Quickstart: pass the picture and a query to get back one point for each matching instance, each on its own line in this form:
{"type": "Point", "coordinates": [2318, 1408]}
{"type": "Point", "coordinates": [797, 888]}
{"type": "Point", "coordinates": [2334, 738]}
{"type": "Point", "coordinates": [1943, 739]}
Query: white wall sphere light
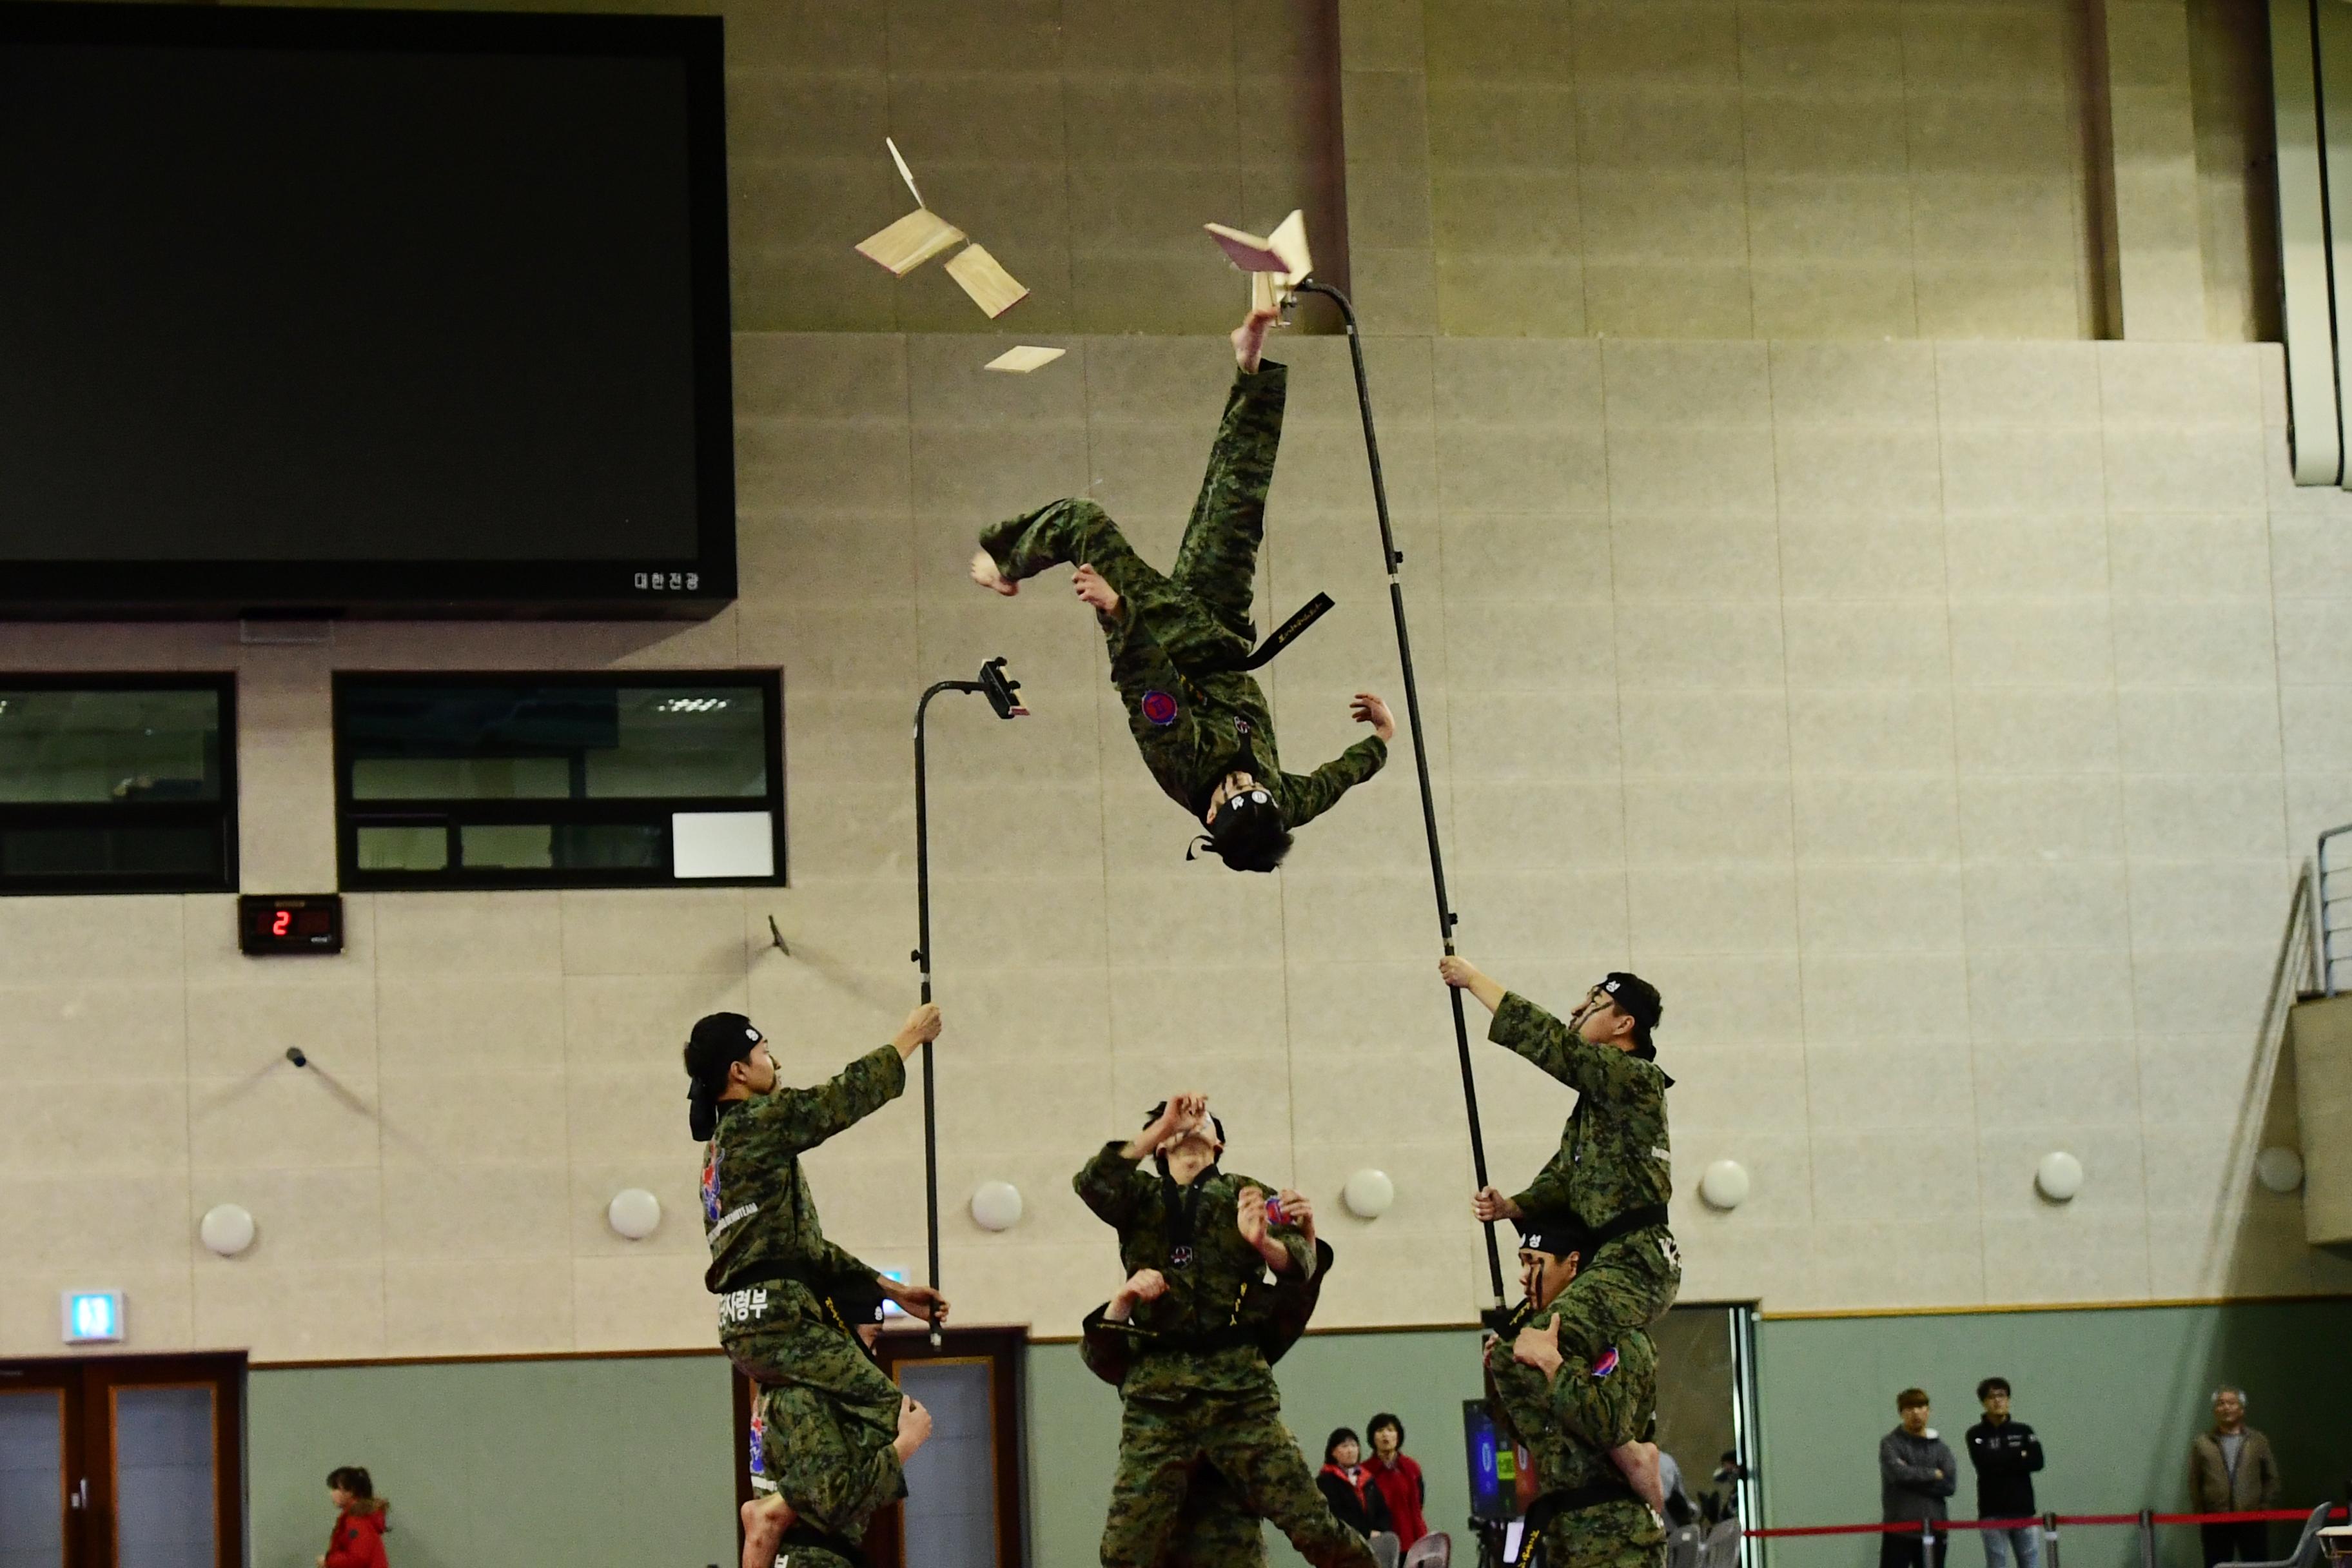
{"type": "Point", "coordinates": [2059, 1176]}
{"type": "Point", "coordinates": [1369, 1194]}
{"type": "Point", "coordinates": [996, 1206]}
{"type": "Point", "coordinates": [1724, 1184]}
{"type": "Point", "coordinates": [2279, 1169]}
{"type": "Point", "coordinates": [226, 1229]}
{"type": "Point", "coordinates": [634, 1214]}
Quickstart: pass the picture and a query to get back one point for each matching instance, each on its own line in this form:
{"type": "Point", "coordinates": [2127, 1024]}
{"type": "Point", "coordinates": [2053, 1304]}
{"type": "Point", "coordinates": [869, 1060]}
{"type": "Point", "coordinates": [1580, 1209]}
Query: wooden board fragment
{"type": "Point", "coordinates": [1025, 359]}
{"type": "Point", "coordinates": [1282, 252]}
{"type": "Point", "coordinates": [992, 287]}
{"type": "Point", "coordinates": [908, 242]}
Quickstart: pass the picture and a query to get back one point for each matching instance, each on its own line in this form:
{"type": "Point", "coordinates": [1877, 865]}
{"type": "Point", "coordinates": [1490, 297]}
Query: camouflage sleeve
{"type": "Point", "coordinates": [1106, 1347]}
{"type": "Point", "coordinates": [793, 1120]}
{"type": "Point", "coordinates": [835, 1262]}
{"type": "Point", "coordinates": [1303, 1258]}
{"type": "Point", "coordinates": [1112, 1185]}
{"type": "Point", "coordinates": [1604, 1412]}
{"type": "Point", "coordinates": [1551, 1191]}
{"type": "Point", "coordinates": [1283, 1308]}
{"type": "Point", "coordinates": [1514, 1392]}
{"type": "Point", "coordinates": [1602, 1071]}
{"type": "Point", "coordinates": [1305, 797]}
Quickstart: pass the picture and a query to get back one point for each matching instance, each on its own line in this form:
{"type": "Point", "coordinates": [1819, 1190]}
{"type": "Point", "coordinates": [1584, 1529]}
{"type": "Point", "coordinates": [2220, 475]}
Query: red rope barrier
{"type": "Point", "coordinates": [1945, 1526]}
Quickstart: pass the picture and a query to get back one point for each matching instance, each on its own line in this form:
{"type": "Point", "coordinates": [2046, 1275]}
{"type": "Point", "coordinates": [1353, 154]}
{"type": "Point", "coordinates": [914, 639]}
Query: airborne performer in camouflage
{"type": "Point", "coordinates": [831, 1433]}
{"type": "Point", "coordinates": [1573, 1411]}
{"type": "Point", "coordinates": [1613, 1173]}
{"type": "Point", "coordinates": [1197, 1389]}
{"type": "Point", "coordinates": [1179, 642]}
{"type": "Point", "coordinates": [1213, 1528]}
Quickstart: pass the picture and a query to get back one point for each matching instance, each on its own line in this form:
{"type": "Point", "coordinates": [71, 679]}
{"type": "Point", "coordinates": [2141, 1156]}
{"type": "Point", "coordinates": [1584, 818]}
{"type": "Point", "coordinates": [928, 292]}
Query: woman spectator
{"type": "Point", "coordinates": [358, 1539]}
{"type": "Point", "coordinates": [1348, 1486]}
{"type": "Point", "coordinates": [1399, 1479]}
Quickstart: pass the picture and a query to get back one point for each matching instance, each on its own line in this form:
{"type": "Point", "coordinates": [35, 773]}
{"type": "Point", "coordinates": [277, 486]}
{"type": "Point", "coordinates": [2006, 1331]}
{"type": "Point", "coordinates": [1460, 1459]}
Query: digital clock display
{"type": "Point", "coordinates": [310, 923]}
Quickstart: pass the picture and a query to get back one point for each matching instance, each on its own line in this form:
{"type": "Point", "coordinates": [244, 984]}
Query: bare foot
{"type": "Point", "coordinates": [765, 1520]}
{"type": "Point", "coordinates": [985, 573]}
{"type": "Point", "coordinates": [1639, 1464]}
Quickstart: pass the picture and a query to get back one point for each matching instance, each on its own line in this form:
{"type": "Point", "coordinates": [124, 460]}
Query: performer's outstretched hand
{"type": "Point", "coordinates": [914, 1300]}
{"type": "Point", "coordinates": [1490, 1205]}
{"type": "Point", "coordinates": [922, 1028]}
{"type": "Point", "coordinates": [985, 573]}
{"type": "Point", "coordinates": [1249, 338]}
{"type": "Point", "coordinates": [1370, 710]}
{"type": "Point", "coordinates": [1299, 1211]}
{"type": "Point", "coordinates": [1465, 975]}
{"type": "Point", "coordinates": [914, 1430]}
{"type": "Point", "coordinates": [1095, 591]}
{"type": "Point", "coordinates": [1539, 1348]}
{"type": "Point", "coordinates": [1249, 1218]}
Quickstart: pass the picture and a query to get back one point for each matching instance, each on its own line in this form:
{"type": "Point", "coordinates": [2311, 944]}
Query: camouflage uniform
{"type": "Point", "coordinates": [1197, 1386]}
{"type": "Point", "coordinates": [1215, 1528]}
{"type": "Point", "coordinates": [1613, 1159]}
{"type": "Point", "coordinates": [1593, 1403]}
{"type": "Point", "coordinates": [1179, 642]}
{"type": "Point", "coordinates": [827, 1413]}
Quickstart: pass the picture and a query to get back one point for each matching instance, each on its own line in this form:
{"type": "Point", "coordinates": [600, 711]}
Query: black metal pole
{"type": "Point", "coordinates": [1392, 559]}
{"type": "Point", "coordinates": [922, 956]}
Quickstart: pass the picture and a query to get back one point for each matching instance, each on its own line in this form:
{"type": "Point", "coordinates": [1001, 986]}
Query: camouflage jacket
{"type": "Point", "coordinates": [1279, 1311]}
{"type": "Point", "coordinates": [1195, 713]}
{"type": "Point", "coordinates": [1195, 1337]}
{"type": "Point", "coordinates": [1568, 1426]}
{"type": "Point", "coordinates": [1613, 1154]}
{"type": "Point", "coordinates": [757, 1212]}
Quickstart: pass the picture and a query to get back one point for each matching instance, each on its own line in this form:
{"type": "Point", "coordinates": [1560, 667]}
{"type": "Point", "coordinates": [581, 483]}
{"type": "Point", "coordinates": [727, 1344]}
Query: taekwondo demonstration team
{"type": "Point", "coordinates": [1217, 1273]}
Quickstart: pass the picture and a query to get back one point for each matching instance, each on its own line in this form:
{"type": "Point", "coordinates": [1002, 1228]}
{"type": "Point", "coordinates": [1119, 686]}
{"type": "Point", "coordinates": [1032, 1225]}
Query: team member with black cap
{"type": "Point", "coordinates": [1574, 1412]}
{"type": "Point", "coordinates": [855, 1304]}
{"type": "Point", "coordinates": [836, 1432]}
{"type": "Point", "coordinates": [1613, 1173]}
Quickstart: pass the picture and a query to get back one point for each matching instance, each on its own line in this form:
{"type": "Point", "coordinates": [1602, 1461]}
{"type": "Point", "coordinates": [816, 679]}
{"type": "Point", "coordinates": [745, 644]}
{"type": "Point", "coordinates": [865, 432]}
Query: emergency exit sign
{"type": "Point", "coordinates": [93, 1317]}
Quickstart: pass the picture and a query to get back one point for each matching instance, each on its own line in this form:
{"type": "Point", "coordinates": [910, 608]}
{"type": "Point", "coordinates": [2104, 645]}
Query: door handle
{"type": "Point", "coordinates": [82, 1493]}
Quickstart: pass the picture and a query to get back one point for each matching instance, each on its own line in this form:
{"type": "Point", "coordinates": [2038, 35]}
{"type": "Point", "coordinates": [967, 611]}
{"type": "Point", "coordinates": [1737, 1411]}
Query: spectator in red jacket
{"type": "Point", "coordinates": [1399, 1479]}
{"type": "Point", "coordinates": [358, 1541]}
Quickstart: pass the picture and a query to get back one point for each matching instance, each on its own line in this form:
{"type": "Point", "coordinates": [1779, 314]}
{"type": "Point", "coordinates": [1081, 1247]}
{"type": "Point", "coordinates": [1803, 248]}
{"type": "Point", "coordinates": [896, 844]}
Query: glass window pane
{"type": "Point", "coordinates": [163, 1491]}
{"type": "Point", "coordinates": [32, 1458]}
{"type": "Point", "coordinates": [94, 747]}
{"type": "Point", "coordinates": [532, 742]}
{"type": "Point", "coordinates": [404, 848]}
{"type": "Point", "coordinates": [98, 853]}
{"type": "Point", "coordinates": [563, 847]}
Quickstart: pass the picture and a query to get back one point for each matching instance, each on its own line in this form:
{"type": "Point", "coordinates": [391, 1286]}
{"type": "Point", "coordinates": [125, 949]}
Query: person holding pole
{"type": "Point", "coordinates": [1612, 1172]}
{"type": "Point", "coordinates": [835, 1429]}
{"type": "Point", "coordinates": [1197, 1388]}
{"type": "Point", "coordinates": [1179, 641]}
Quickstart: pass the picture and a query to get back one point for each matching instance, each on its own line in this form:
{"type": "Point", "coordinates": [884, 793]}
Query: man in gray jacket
{"type": "Point", "coordinates": [1915, 1473]}
{"type": "Point", "coordinates": [2230, 1470]}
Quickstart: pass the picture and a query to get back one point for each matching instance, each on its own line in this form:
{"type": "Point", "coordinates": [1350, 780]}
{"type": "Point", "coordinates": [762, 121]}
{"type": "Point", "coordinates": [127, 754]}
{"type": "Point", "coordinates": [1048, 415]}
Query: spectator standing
{"type": "Point", "coordinates": [1348, 1486]}
{"type": "Point", "coordinates": [1678, 1508]}
{"type": "Point", "coordinates": [2006, 1453]}
{"type": "Point", "coordinates": [2230, 1470]}
{"type": "Point", "coordinates": [358, 1539]}
{"type": "Point", "coordinates": [1399, 1479]}
{"type": "Point", "coordinates": [1916, 1474]}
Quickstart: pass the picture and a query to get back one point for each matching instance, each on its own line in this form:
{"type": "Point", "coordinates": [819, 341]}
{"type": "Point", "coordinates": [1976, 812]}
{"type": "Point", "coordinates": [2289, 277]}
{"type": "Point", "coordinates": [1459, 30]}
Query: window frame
{"type": "Point", "coordinates": [145, 813]}
{"type": "Point", "coordinates": [456, 813]}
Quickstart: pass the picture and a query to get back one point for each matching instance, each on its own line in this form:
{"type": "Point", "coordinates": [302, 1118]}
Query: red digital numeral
{"type": "Point", "coordinates": [282, 923]}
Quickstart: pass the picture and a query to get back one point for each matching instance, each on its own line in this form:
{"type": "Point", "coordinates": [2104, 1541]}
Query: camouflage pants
{"type": "Point", "coordinates": [823, 1423]}
{"type": "Point", "coordinates": [1628, 1285]}
{"type": "Point", "coordinates": [1163, 1443]}
{"type": "Point", "coordinates": [1199, 610]}
{"type": "Point", "coordinates": [1614, 1535]}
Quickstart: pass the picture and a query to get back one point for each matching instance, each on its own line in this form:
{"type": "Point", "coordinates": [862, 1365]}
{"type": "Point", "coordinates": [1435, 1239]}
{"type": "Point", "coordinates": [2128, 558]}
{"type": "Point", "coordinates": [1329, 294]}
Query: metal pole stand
{"type": "Point", "coordinates": [1392, 559]}
{"type": "Point", "coordinates": [999, 688]}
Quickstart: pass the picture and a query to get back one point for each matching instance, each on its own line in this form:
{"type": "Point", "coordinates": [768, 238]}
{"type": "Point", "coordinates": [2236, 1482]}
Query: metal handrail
{"type": "Point", "coordinates": [2326, 926]}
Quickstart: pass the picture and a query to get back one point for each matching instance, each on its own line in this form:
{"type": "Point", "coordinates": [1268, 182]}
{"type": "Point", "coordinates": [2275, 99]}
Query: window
{"type": "Point", "coordinates": [559, 781]}
{"type": "Point", "coordinates": [118, 784]}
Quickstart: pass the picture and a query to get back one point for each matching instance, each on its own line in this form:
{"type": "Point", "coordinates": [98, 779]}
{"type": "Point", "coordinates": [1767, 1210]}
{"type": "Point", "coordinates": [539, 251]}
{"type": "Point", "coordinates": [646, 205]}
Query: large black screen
{"type": "Point", "coordinates": [407, 312]}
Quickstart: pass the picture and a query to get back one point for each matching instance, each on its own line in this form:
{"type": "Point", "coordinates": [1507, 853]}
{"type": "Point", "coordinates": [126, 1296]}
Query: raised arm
{"type": "Point", "coordinates": [1303, 797]}
{"type": "Point", "coordinates": [1602, 1071]}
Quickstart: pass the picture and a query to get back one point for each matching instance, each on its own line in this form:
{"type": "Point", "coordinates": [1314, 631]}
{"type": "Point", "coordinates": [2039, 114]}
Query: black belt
{"type": "Point", "coordinates": [775, 1274]}
{"type": "Point", "coordinates": [1283, 636]}
{"type": "Point", "coordinates": [1625, 1224]}
{"type": "Point", "coordinates": [816, 1539]}
{"type": "Point", "coordinates": [1567, 1500]}
{"type": "Point", "coordinates": [1216, 1340]}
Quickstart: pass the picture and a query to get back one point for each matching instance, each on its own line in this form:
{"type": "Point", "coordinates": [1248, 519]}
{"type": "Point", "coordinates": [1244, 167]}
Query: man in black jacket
{"type": "Point", "coordinates": [1915, 1473]}
{"type": "Point", "coordinates": [2006, 1453]}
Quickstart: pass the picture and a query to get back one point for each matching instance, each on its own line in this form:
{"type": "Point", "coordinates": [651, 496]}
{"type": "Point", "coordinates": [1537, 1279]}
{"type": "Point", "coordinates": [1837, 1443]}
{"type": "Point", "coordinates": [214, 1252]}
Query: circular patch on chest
{"type": "Point", "coordinates": [1160, 708]}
